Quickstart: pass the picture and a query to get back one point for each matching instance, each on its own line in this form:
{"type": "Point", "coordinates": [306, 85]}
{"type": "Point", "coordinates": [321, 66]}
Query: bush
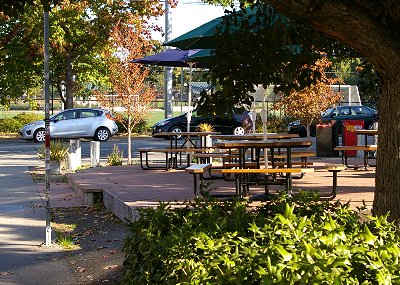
{"type": "Point", "coordinates": [275, 124]}
{"type": "Point", "coordinates": [289, 241]}
{"type": "Point", "coordinates": [139, 128]}
{"type": "Point", "coordinates": [115, 157]}
{"type": "Point", "coordinates": [26, 118]}
{"type": "Point", "coordinates": [12, 125]}
{"type": "Point", "coordinates": [58, 151]}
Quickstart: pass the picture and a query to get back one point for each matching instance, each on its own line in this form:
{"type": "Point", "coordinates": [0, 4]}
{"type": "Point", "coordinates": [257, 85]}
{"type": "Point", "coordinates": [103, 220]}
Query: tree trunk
{"type": "Point", "coordinates": [69, 95]}
{"type": "Point", "coordinates": [308, 124]}
{"type": "Point", "coordinates": [387, 193]}
{"type": "Point", "coordinates": [355, 24]}
{"type": "Point", "coordinates": [129, 139]}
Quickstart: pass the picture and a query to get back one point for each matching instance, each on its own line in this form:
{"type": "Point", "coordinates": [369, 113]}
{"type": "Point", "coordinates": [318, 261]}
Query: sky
{"type": "Point", "coordinates": [189, 14]}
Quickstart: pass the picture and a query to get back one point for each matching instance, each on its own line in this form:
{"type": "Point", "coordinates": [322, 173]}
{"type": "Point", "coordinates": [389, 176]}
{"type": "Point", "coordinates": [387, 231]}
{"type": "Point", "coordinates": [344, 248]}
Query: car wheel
{"type": "Point", "coordinates": [176, 129]}
{"type": "Point", "coordinates": [238, 131]}
{"type": "Point", "coordinates": [39, 135]}
{"type": "Point", "coordinates": [102, 134]}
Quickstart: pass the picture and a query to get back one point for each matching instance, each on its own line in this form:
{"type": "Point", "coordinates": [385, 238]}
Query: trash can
{"type": "Point", "coordinates": [327, 139]}
{"type": "Point", "coordinates": [349, 137]}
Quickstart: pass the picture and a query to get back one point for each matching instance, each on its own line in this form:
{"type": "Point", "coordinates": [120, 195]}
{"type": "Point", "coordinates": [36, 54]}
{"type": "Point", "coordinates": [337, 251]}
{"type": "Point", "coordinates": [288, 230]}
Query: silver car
{"type": "Point", "coordinates": [94, 123]}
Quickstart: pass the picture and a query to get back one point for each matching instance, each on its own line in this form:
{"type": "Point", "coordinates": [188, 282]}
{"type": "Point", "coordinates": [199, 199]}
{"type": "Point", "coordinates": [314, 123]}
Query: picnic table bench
{"type": "Point", "coordinates": [243, 181]}
{"type": "Point", "coordinates": [171, 156]}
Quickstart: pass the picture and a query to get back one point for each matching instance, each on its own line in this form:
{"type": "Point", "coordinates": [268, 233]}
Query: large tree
{"type": "Point", "coordinates": [79, 31]}
{"type": "Point", "coordinates": [371, 28]}
{"type": "Point", "coordinates": [131, 94]}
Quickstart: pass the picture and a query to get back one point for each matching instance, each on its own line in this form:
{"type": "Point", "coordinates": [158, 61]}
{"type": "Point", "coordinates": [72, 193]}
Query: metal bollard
{"type": "Point", "coordinates": [75, 154]}
{"type": "Point", "coordinates": [95, 153]}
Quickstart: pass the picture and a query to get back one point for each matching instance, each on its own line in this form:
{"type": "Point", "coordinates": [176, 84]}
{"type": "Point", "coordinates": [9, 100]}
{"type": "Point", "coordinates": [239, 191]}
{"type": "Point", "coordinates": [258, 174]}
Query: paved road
{"type": "Point", "coordinates": [22, 223]}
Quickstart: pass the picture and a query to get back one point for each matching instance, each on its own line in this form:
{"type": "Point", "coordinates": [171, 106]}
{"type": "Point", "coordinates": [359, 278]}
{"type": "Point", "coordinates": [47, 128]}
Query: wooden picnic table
{"type": "Point", "coordinates": [242, 146]}
{"type": "Point", "coordinates": [366, 133]}
{"type": "Point", "coordinates": [365, 149]}
{"type": "Point", "coordinates": [173, 136]}
{"type": "Point", "coordinates": [257, 136]}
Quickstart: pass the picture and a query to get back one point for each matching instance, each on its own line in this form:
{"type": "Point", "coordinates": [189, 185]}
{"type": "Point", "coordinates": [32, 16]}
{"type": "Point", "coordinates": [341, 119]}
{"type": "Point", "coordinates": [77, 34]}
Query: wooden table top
{"type": "Point", "coordinates": [257, 136]}
{"type": "Point", "coordinates": [185, 134]}
{"type": "Point", "coordinates": [366, 132]}
{"type": "Point", "coordinates": [264, 144]}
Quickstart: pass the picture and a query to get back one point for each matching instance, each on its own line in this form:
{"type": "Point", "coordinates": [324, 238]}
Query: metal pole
{"type": "Point", "coordinates": [47, 124]}
{"type": "Point", "coordinates": [168, 70]}
{"type": "Point", "coordinates": [189, 113]}
{"type": "Point", "coordinates": [52, 92]}
{"type": "Point", "coordinates": [182, 77]}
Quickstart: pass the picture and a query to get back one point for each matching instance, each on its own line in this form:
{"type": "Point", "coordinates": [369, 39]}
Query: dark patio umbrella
{"type": "Point", "coordinates": [176, 58]}
{"type": "Point", "coordinates": [173, 58]}
{"type": "Point", "coordinates": [204, 36]}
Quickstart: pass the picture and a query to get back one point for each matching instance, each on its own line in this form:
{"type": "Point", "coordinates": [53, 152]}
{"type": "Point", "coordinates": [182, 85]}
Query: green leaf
{"type": "Point", "coordinates": [285, 255]}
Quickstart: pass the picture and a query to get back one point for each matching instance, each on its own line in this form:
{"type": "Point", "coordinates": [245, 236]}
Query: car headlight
{"type": "Point", "coordinates": [31, 125]}
{"type": "Point", "coordinates": [295, 123]}
{"type": "Point", "coordinates": [162, 123]}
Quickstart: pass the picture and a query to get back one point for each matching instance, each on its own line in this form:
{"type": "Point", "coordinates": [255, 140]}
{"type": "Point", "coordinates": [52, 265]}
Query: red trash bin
{"type": "Point", "coordinates": [349, 137]}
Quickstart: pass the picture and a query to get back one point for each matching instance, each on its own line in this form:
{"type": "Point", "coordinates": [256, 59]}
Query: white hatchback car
{"type": "Point", "coordinates": [94, 123]}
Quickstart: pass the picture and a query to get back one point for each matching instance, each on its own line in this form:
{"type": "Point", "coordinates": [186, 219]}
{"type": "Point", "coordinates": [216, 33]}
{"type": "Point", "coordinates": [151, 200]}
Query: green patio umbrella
{"type": "Point", "coordinates": [204, 36]}
{"type": "Point", "coordinates": [202, 57]}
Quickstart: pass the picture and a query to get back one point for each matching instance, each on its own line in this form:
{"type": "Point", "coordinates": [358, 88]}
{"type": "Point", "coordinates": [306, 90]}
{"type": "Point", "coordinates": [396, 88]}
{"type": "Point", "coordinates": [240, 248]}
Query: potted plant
{"type": "Point", "coordinates": [58, 154]}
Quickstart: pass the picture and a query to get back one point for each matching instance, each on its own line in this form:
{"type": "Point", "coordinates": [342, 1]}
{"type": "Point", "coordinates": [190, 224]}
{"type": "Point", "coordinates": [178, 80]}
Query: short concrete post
{"type": "Point", "coordinates": [75, 154]}
{"type": "Point", "coordinates": [361, 141]}
{"type": "Point", "coordinates": [95, 153]}
{"type": "Point", "coordinates": [208, 141]}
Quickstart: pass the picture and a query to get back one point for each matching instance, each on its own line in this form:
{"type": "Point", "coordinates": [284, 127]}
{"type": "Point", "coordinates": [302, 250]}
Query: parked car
{"type": "Point", "coordinates": [338, 114]}
{"type": "Point", "coordinates": [224, 124]}
{"type": "Point", "coordinates": [94, 123]}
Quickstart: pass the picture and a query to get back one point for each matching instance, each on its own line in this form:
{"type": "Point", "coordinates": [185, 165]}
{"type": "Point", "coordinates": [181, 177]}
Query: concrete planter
{"type": "Point", "coordinates": [55, 167]}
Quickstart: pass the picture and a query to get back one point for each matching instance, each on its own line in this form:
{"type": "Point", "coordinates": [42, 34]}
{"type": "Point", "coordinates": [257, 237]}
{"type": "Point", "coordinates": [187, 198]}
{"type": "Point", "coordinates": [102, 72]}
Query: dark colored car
{"type": "Point", "coordinates": [224, 124]}
{"type": "Point", "coordinates": [338, 114]}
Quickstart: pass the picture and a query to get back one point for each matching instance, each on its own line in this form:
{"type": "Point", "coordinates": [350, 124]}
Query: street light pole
{"type": "Point", "coordinates": [47, 122]}
{"type": "Point", "coordinates": [167, 70]}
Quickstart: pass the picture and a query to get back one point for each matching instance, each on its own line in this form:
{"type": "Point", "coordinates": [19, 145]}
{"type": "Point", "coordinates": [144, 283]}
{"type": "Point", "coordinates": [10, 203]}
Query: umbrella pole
{"type": "Point", "coordinates": [189, 116]}
{"type": "Point", "coordinates": [254, 115]}
{"type": "Point", "coordinates": [182, 89]}
{"type": "Point", "coordinates": [264, 121]}
{"type": "Point", "coordinates": [189, 113]}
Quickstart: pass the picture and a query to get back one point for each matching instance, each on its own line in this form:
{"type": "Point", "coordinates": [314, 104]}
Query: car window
{"type": "Point", "coordinates": [368, 110]}
{"type": "Point", "coordinates": [358, 111]}
{"type": "Point", "coordinates": [89, 113]}
{"type": "Point", "coordinates": [344, 112]}
{"type": "Point", "coordinates": [67, 115]}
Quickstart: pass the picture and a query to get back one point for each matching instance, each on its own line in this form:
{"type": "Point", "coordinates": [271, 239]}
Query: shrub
{"type": "Point", "coordinates": [115, 157]}
{"type": "Point", "coordinates": [58, 151]}
{"type": "Point", "coordinates": [12, 125]}
{"type": "Point", "coordinates": [26, 118]}
{"type": "Point", "coordinates": [275, 124]}
{"type": "Point", "coordinates": [288, 241]}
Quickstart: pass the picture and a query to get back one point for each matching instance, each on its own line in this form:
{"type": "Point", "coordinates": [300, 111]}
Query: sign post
{"type": "Point", "coordinates": [47, 123]}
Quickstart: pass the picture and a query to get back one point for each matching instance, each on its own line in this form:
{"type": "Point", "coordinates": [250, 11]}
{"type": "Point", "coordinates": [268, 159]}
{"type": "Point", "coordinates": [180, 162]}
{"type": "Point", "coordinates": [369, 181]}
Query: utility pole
{"type": "Point", "coordinates": [167, 70]}
{"type": "Point", "coordinates": [47, 120]}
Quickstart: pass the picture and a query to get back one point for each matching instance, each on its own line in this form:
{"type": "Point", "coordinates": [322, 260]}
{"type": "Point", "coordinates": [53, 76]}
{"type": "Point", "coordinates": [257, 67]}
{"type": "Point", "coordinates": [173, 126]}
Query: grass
{"type": "Point", "coordinates": [67, 242]}
{"type": "Point", "coordinates": [14, 113]}
{"type": "Point", "coordinates": [64, 234]}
